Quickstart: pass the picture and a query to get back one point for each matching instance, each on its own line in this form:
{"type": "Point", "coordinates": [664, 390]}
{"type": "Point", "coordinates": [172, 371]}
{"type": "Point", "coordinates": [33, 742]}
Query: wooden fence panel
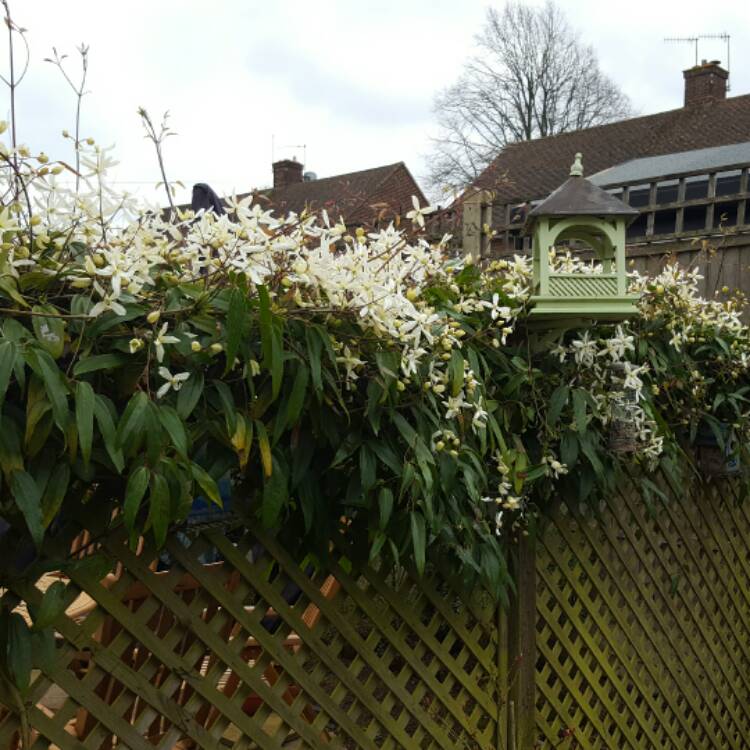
{"type": "Point", "coordinates": [643, 623]}
{"type": "Point", "coordinates": [224, 641]}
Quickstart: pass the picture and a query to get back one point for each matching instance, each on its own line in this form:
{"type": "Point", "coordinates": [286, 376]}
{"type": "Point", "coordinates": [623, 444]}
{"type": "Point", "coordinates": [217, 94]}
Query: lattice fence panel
{"type": "Point", "coordinates": [224, 641]}
{"type": "Point", "coordinates": [643, 623]}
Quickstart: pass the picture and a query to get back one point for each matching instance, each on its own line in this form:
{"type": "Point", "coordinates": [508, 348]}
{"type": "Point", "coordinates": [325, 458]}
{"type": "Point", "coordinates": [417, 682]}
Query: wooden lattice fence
{"type": "Point", "coordinates": [225, 641]}
{"type": "Point", "coordinates": [631, 629]}
{"type": "Point", "coordinates": [643, 623]}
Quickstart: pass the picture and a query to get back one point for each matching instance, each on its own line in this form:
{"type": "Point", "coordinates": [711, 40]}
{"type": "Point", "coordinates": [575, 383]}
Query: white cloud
{"type": "Point", "coordinates": [351, 80]}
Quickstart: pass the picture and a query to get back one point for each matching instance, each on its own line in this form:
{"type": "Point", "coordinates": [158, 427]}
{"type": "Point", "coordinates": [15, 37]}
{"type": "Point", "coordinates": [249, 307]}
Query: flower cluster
{"type": "Point", "coordinates": [244, 335]}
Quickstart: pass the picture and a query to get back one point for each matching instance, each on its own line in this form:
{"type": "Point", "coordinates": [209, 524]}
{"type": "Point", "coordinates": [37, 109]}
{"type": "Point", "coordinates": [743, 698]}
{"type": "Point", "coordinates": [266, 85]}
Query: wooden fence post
{"type": "Point", "coordinates": [522, 638]}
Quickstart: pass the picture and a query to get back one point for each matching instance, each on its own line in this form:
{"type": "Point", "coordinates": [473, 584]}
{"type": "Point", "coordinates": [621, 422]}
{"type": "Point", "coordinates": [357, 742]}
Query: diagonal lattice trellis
{"type": "Point", "coordinates": [225, 641]}
{"type": "Point", "coordinates": [643, 623]}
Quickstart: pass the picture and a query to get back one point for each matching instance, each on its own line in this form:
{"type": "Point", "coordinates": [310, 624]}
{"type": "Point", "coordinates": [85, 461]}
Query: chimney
{"type": "Point", "coordinates": [286, 172]}
{"type": "Point", "coordinates": [705, 83]}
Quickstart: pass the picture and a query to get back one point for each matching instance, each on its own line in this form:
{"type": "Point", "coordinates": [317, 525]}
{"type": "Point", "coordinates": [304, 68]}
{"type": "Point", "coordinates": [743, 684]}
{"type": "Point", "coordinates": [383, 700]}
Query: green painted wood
{"type": "Point", "coordinates": [270, 644]}
{"type": "Point", "coordinates": [681, 641]}
{"type": "Point", "coordinates": [602, 656]}
{"type": "Point", "coordinates": [626, 587]}
{"type": "Point", "coordinates": [310, 637]}
{"type": "Point", "coordinates": [632, 645]}
{"type": "Point", "coordinates": [402, 608]}
{"type": "Point", "coordinates": [707, 653]}
{"type": "Point", "coordinates": [345, 629]}
{"type": "Point", "coordinates": [110, 662]}
{"type": "Point", "coordinates": [214, 643]}
{"type": "Point", "coordinates": [608, 615]}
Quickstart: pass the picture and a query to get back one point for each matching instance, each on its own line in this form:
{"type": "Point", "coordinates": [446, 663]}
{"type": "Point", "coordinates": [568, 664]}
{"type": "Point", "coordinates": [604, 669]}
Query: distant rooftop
{"type": "Point", "coordinates": [651, 167]}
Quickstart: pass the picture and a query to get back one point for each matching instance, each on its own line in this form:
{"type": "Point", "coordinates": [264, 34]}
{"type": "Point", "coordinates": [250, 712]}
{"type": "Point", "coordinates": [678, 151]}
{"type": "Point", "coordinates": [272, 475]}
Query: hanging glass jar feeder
{"type": "Point", "coordinates": [623, 424]}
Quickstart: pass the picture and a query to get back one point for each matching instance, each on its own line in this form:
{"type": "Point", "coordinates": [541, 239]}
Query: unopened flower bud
{"type": "Point", "coordinates": [216, 348]}
{"type": "Point", "coordinates": [400, 385]}
{"type": "Point", "coordinates": [195, 346]}
{"type": "Point", "coordinates": [153, 316]}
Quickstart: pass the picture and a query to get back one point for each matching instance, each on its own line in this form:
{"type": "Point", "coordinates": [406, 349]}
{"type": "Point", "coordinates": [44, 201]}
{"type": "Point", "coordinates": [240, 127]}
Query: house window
{"type": "Point", "coordinates": [694, 219]}
{"type": "Point", "coordinates": [696, 188]}
{"type": "Point", "coordinates": [725, 214]}
{"type": "Point", "coordinates": [728, 183]}
{"type": "Point", "coordinates": [664, 221]}
{"type": "Point", "coordinates": [666, 192]}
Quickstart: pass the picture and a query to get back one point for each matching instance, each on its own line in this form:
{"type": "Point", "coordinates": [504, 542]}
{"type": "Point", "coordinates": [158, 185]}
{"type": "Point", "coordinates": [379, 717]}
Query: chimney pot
{"type": "Point", "coordinates": [705, 83]}
{"type": "Point", "coordinates": [286, 172]}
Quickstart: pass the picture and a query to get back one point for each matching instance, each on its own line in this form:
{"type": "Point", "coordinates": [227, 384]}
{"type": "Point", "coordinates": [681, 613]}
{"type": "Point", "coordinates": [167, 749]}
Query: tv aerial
{"type": "Point", "coordinates": [694, 40]}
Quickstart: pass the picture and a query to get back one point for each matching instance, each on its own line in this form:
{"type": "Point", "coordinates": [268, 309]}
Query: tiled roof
{"type": "Point", "coordinates": [530, 170]}
{"type": "Point", "coordinates": [360, 197]}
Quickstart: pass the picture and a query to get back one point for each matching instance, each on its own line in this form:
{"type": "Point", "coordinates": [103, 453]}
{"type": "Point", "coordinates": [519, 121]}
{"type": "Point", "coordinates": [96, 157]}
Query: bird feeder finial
{"type": "Point", "coordinates": [577, 169]}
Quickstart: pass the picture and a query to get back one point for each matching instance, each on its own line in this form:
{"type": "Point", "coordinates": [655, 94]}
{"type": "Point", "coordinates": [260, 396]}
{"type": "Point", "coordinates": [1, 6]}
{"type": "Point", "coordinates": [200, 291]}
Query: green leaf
{"type": "Point", "coordinates": [456, 371]}
{"type": "Point", "coordinates": [557, 402]}
{"type": "Point", "coordinates": [44, 650]}
{"type": "Point", "coordinates": [265, 449]}
{"type": "Point", "coordinates": [237, 320]}
{"type": "Point", "coordinates": [19, 652]}
{"type": "Point", "coordinates": [569, 449]}
{"type": "Point", "coordinates": [98, 362]}
{"type": "Point", "coordinates": [54, 493]}
{"type": "Point", "coordinates": [8, 353]}
{"type": "Point", "coordinates": [271, 341]}
{"type": "Point", "coordinates": [579, 409]}
{"type": "Point", "coordinates": [589, 450]}
{"type": "Point", "coordinates": [277, 364]}
{"type": "Point", "coordinates": [367, 468]}
{"type": "Point", "coordinates": [133, 418]}
{"type": "Point", "coordinates": [85, 419]}
{"type": "Point", "coordinates": [49, 331]}
{"type": "Point", "coordinates": [377, 545]}
{"type": "Point", "coordinates": [56, 391]}
{"type": "Point", "coordinates": [51, 607]}
{"type": "Point", "coordinates": [11, 458]}
{"type": "Point", "coordinates": [28, 498]}
{"type": "Point", "coordinates": [297, 396]}
{"type": "Point", "coordinates": [265, 318]}
{"type": "Point", "coordinates": [206, 483]}
{"type": "Point", "coordinates": [190, 394]}
{"type": "Point", "coordinates": [134, 492]}
{"type": "Point", "coordinates": [109, 434]}
{"type": "Point", "coordinates": [159, 508]}
{"type": "Point", "coordinates": [388, 364]}
{"type": "Point", "coordinates": [172, 423]}
{"type": "Point", "coordinates": [274, 497]}
{"type": "Point", "coordinates": [419, 540]}
{"type": "Point", "coordinates": [314, 352]}
{"type": "Point", "coordinates": [385, 504]}
{"type": "Point", "coordinates": [9, 288]}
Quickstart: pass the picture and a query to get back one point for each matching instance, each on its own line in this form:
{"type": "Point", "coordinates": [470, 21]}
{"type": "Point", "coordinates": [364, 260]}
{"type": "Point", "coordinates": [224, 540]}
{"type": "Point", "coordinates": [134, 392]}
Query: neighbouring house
{"type": "Point", "coordinates": [368, 197]}
{"type": "Point", "coordinates": [685, 170]}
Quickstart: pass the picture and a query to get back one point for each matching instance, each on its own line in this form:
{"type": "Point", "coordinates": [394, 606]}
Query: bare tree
{"type": "Point", "coordinates": [532, 77]}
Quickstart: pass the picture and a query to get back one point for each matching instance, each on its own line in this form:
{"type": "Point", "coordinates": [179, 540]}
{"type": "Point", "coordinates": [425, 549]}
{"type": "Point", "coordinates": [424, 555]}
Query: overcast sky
{"type": "Point", "coordinates": [352, 80]}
